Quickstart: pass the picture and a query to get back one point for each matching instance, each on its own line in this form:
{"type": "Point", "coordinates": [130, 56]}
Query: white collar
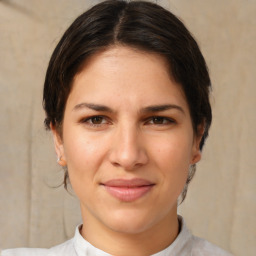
{"type": "Point", "coordinates": [180, 245]}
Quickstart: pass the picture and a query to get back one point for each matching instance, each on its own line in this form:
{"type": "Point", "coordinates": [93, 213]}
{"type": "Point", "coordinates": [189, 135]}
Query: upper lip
{"type": "Point", "coordinates": [129, 183]}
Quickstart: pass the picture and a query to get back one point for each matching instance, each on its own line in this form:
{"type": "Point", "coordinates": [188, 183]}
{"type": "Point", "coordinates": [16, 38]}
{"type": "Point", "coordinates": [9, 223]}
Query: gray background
{"type": "Point", "coordinates": [220, 205]}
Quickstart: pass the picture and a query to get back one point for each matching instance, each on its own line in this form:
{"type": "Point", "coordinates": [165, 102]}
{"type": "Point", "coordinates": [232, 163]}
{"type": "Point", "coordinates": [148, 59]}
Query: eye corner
{"type": "Point", "coordinates": [95, 121]}
{"type": "Point", "coordinates": [159, 120]}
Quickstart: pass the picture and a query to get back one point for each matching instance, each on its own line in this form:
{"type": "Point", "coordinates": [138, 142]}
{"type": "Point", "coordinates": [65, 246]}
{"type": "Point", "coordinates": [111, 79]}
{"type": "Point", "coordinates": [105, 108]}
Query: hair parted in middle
{"type": "Point", "coordinates": [141, 25]}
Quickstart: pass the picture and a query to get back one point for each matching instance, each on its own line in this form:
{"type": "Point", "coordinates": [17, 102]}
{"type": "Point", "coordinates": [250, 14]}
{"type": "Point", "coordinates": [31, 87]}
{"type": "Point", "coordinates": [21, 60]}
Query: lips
{"type": "Point", "coordinates": [128, 190]}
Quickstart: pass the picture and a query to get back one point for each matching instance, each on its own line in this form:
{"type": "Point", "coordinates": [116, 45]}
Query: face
{"type": "Point", "coordinates": [127, 140]}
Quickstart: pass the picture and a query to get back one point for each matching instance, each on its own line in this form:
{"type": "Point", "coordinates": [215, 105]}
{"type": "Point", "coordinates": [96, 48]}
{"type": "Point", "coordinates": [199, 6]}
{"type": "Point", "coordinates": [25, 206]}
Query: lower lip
{"type": "Point", "coordinates": [128, 194]}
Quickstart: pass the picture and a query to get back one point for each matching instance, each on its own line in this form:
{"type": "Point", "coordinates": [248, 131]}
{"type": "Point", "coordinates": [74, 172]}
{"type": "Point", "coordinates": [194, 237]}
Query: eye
{"type": "Point", "coordinates": [95, 120]}
{"type": "Point", "coordinates": [160, 120]}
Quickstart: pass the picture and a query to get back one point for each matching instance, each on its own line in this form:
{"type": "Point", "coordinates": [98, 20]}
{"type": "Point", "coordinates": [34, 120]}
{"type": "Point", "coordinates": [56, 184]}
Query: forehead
{"type": "Point", "coordinates": [124, 55]}
{"type": "Point", "coordinates": [128, 74]}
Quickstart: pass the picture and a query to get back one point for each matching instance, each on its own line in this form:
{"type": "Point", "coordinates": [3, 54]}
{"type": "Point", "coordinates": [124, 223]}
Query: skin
{"type": "Point", "coordinates": [126, 141]}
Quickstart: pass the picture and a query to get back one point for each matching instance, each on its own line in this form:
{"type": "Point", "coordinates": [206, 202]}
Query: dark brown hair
{"type": "Point", "coordinates": [138, 24]}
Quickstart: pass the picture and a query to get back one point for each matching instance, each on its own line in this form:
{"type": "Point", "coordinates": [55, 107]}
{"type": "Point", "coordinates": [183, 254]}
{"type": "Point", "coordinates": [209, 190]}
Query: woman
{"type": "Point", "coordinates": [126, 97]}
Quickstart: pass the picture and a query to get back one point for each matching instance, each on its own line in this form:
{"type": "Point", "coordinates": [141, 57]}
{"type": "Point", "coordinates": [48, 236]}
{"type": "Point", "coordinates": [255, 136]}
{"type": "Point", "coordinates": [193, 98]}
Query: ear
{"type": "Point", "coordinates": [59, 148]}
{"type": "Point", "coordinates": [196, 152]}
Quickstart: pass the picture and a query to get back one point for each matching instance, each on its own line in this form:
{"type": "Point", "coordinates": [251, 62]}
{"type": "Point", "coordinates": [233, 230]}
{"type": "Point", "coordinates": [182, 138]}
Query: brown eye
{"type": "Point", "coordinates": [96, 120]}
{"type": "Point", "coordinates": [158, 120]}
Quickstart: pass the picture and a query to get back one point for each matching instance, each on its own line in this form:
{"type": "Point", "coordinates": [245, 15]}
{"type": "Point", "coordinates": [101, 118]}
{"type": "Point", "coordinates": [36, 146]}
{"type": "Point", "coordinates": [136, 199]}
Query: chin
{"type": "Point", "coordinates": [130, 228]}
{"type": "Point", "coordinates": [130, 222]}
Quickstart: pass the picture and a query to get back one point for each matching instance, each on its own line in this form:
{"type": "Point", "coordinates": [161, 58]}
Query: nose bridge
{"type": "Point", "coordinates": [128, 150]}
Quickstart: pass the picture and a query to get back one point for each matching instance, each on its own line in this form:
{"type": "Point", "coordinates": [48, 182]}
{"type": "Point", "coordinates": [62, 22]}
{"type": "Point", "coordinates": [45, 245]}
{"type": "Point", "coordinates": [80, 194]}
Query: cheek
{"type": "Point", "coordinates": [78, 151]}
{"type": "Point", "coordinates": [173, 150]}
{"type": "Point", "coordinates": [172, 157]}
{"type": "Point", "coordinates": [83, 155]}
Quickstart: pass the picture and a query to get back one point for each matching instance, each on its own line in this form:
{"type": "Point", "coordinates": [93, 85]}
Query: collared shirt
{"type": "Point", "coordinates": [185, 244]}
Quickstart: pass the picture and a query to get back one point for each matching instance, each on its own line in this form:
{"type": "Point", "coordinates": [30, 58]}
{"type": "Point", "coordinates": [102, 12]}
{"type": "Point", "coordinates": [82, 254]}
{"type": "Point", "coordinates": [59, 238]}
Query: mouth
{"type": "Point", "coordinates": [128, 190]}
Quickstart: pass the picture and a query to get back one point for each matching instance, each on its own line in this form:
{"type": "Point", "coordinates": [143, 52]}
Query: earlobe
{"type": "Point", "coordinates": [61, 162]}
{"type": "Point", "coordinates": [197, 154]}
{"type": "Point", "coordinates": [58, 144]}
{"type": "Point", "coordinates": [196, 158]}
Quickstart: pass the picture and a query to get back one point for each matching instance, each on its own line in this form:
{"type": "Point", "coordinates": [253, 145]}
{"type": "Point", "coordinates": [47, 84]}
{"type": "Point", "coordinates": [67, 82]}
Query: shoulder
{"type": "Point", "coordinates": [24, 252]}
{"type": "Point", "coordinates": [64, 249]}
{"type": "Point", "coordinates": [201, 247]}
{"type": "Point", "coordinates": [188, 244]}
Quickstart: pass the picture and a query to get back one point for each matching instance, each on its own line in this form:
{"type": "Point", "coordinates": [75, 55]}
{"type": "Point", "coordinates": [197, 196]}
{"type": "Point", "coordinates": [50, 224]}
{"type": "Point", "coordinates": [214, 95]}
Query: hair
{"type": "Point", "coordinates": [141, 25]}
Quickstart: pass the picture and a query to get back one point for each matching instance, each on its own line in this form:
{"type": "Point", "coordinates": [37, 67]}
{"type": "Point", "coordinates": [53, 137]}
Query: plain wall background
{"type": "Point", "coordinates": [220, 205]}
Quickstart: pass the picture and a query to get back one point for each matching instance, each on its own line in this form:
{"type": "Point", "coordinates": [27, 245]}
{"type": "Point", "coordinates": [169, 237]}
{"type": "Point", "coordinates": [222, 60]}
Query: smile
{"type": "Point", "coordinates": [128, 190]}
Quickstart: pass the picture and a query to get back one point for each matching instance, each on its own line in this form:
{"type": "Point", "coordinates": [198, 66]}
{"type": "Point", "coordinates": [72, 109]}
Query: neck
{"type": "Point", "coordinates": [147, 242]}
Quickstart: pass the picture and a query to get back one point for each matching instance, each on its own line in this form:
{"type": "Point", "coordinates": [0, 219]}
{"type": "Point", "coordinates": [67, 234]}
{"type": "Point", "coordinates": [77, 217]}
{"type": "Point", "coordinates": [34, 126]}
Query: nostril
{"type": "Point", "coordinates": [127, 151]}
{"type": "Point", "coordinates": [116, 164]}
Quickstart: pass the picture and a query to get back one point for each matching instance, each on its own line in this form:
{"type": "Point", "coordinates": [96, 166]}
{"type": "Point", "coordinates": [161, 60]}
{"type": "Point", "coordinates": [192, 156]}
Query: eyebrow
{"type": "Point", "coordinates": [96, 107]}
{"type": "Point", "coordinates": [160, 108]}
{"type": "Point", "coordinates": [148, 109]}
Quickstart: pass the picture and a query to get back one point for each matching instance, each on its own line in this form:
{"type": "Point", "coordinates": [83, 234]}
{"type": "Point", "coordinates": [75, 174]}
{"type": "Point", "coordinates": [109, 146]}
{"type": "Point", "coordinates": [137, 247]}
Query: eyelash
{"type": "Point", "coordinates": [166, 120]}
{"type": "Point", "coordinates": [89, 121]}
{"type": "Point", "coordinates": [149, 121]}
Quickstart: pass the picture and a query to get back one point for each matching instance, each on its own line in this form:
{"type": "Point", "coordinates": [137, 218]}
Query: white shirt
{"type": "Point", "coordinates": [185, 244]}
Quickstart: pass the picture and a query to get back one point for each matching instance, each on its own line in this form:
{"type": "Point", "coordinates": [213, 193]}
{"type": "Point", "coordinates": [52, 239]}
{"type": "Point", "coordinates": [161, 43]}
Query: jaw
{"type": "Point", "coordinates": [128, 233]}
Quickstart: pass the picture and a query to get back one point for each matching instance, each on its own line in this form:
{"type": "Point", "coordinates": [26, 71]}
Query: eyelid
{"type": "Point", "coordinates": [168, 119]}
{"type": "Point", "coordinates": [87, 120]}
{"type": "Point", "coordinates": [106, 120]}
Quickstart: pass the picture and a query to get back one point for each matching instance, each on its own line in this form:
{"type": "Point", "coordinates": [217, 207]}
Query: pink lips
{"type": "Point", "coordinates": [128, 190]}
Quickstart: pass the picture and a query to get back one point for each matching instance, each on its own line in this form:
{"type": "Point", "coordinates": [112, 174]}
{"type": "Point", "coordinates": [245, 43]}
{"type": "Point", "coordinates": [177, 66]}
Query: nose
{"type": "Point", "coordinates": [128, 150]}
